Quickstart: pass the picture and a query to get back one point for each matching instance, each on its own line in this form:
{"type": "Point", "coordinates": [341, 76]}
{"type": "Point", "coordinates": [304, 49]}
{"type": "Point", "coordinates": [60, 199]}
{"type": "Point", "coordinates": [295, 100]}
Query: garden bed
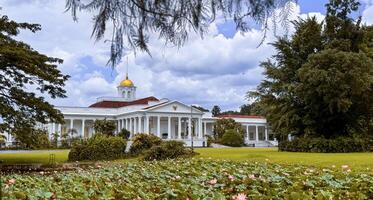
{"type": "Point", "coordinates": [192, 178]}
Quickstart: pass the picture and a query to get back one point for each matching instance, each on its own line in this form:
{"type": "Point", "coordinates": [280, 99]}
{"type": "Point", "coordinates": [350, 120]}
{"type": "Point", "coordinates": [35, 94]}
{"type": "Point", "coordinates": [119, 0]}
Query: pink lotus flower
{"type": "Point", "coordinates": [11, 181]}
{"type": "Point", "coordinates": [213, 181]}
{"type": "Point", "coordinates": [252, 176]}
{"type": "Point", "coordinates": [240, 196]}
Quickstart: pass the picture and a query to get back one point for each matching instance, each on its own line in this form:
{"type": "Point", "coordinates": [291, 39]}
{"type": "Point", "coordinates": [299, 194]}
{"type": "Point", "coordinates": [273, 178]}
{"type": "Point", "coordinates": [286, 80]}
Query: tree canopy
{"type": "Point", "coordinates": [215, 111]}
{"type": "Point", "coordinates": [320, 81]}
{"type": "Point", "coordinates": [26, 77]}
{"type": "Point", "coordinates": [134, 20]}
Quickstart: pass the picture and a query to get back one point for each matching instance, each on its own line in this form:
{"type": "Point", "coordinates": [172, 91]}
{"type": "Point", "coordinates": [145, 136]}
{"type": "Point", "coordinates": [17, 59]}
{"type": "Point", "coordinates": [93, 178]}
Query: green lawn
{"type": "Point", "coordinates": [41, 156]}
{"type": "Point", "coordinates": [360, 161]}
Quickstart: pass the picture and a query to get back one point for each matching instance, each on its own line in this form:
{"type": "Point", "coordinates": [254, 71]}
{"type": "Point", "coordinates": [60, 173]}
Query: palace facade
{"type": "Point", "coordinates": [165, 118]}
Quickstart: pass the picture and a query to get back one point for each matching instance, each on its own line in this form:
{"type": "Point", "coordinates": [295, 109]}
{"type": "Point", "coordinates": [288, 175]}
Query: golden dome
{"type": "Point", "coordinates": [126, 82]}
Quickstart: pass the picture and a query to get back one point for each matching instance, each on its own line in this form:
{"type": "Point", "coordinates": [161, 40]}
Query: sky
{"type": "Point", "coordinates": [216, 70]}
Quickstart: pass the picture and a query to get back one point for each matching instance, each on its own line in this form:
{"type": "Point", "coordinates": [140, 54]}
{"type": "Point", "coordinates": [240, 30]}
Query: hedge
{"type": "Point", "coordinates": [99, 147]}
{"type": "Point", "coordinates": [168, 150]}
{"type": "Point", "coordinates": [323, 145]}
{"type": "Point", "coordinates": [142, 142]}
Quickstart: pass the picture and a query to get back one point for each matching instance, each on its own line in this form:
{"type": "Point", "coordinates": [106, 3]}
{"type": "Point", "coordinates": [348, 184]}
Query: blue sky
{"type": "Point", "coordinates": [217, 70]}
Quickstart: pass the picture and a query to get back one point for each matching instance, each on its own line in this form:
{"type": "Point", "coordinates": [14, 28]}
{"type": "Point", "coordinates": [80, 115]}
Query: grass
{"type": "Point", "coordinates": [39, 156]}
{"type": "Point", "coordinates": [359, 161]}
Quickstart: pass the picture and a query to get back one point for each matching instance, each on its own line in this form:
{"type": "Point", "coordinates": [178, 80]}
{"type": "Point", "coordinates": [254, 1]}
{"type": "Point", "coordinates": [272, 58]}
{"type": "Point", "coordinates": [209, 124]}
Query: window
{"type": "Point", "coordinates": [261, 132]}
{"type": "Point", "coordinates": [252, 131]}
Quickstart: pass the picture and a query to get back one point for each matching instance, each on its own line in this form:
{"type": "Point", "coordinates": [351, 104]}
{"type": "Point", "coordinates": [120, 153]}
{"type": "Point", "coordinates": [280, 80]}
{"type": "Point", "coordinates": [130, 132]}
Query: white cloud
{"type": "Point", "coordinates": [215, 70]}
{"type": "Point", "coordinates": [367, 16]}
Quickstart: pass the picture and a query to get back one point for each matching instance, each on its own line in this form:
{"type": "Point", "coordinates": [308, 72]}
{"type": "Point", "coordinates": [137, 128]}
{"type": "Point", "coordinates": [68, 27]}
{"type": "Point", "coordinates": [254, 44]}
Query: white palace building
{"type": "Point", "coordinates": [167, 119]}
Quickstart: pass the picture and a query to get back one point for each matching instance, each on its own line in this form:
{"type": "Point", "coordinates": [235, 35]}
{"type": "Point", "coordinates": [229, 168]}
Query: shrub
{"type": "Point", "coordinates": [99, 147]}
{"type": "Point", "coordinates": [232, 138]}
{"type": "Point", "coordinates": [124, 133]}
{"type": "Point", "coordinates": [222, 125]}
{"type": "Point", "coordinates": [323, 145]}
{"type": "Point", "coordinates": [210, 140]}
{"type": "Point", "coordinates": [168, 150]}
{"type": "Point", "coordinates": [142, 142]}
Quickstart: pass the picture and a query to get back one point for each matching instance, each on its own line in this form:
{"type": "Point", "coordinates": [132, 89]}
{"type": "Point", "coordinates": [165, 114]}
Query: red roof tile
{"type": "Point", "coordinates": [240, 116]}
{"type": "Point", "coordinates": [118, 104]}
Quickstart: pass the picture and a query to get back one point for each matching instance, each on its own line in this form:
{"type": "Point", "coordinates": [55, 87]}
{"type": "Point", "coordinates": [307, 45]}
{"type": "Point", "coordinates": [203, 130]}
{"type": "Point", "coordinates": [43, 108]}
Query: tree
{"type": "Point", "coordinates": [222, 125]}
{"type": "Point", "coordinates": [215, 111]}
{"type": "Point", "coordinates": [135, 20]}
{"type": "Point", "coordinates": [32, 138]}
{"type": "Point", "coordinates": [104, 127]}
{"type": "Point", "coordinates": [320, 83]}
{"type": "Point", "coordinates": [233, 138]}
{"type": "Point", "coordinates": [26, 77]}
{"type": "Point", "coordinates": [251, 109]}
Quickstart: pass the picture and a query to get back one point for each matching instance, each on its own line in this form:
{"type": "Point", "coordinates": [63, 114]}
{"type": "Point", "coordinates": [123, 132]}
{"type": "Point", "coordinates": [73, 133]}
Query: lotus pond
{"type": "Point", "coordinates": [195, 178]}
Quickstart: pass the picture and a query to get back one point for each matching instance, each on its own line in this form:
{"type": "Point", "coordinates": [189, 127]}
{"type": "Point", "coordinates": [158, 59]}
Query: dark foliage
{"type": "Point", "coordinates": [124, 133]}
{"type": "Point", "coordinates": [222, 125]}
{"type": "Point", "coordinates": [134, 20]}
{"type": "Point", "coordinates": [232, 138]}
{"type": "Point", "coordinates": [168, 150]}
{"type": "Point", "coordinates": [30, 138]}
{"type": "Point", "coordinates": [142, 142]}
{"type": "Point", "coordinates": [105, 127]}
{"type": "Point", "coordinates": [22, 71]}
{"type": "Point", "coordinates": [323, 145]}
{"type": "Point", "coordinates": [215, 111]}
{"type": "Point", "coordinates": [99, 147]}
{"type": "Point", "coordinates": [320, 81]}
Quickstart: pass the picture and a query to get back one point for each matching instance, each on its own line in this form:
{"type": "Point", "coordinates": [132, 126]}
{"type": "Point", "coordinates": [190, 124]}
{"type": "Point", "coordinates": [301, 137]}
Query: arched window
{"type": "Point", "coordinates": [129, 94]}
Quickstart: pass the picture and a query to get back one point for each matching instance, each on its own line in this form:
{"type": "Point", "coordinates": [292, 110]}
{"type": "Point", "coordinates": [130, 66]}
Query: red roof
{"type": "Point", "coordinates": [240, 116]}
{"type": "Point", "coordinates": [118, 104]}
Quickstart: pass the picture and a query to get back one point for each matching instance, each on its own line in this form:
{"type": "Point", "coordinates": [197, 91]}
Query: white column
{"type": "Point", "coordinates": [118, 126]}
{"type": "Point", "coordinates": [135, 125]}
{"type": "Point", "coordinates": [190, 128]}
{"type": "Point", "coordinates": [265, 133]}
{"type": "Point", "coordinates": [83, 125]}
{"type": "Point", "coordinates": [199, 127]}
{"type": "Point", "coordinates": [140, 119]}
{"type": "Point", "coordinates": [71, 124]}
{"type": "Point", "coordinates": [93, 130]}
{"type": "Point", "coordinates": [147, 124]}
{"type": "Point", "coordinates": [159, 126]}
{"type": "Point", "coordinates": [59, 129]}
{"type": "Point", "coordinates": [195, 128]}
{"type": "Point", "coordinates": [53, 127]}
{"type": "Point", "coordinates": [256, 133]}
{"type": "Point", "coordinates": [204, 129]}
{"type": "Point", "coordinates": [130, 127]}
{"type": "Point", "coordinates": [127, 124]}
{"type": "Point", "coordinates": [169, 128]}
{"type": "Point", "coordinates": [179, 128]}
